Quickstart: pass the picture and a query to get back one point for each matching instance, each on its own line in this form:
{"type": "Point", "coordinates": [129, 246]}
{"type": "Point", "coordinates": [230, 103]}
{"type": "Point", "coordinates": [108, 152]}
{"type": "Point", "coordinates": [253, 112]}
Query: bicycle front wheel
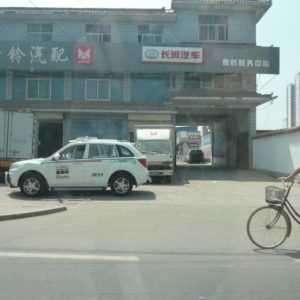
{"type": "Point", "coordinates": [268, 227]}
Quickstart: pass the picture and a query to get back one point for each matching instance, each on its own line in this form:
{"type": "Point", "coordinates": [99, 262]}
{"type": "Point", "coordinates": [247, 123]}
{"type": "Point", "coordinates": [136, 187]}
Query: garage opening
{"type": "Point", "coordinates": [193, 145]}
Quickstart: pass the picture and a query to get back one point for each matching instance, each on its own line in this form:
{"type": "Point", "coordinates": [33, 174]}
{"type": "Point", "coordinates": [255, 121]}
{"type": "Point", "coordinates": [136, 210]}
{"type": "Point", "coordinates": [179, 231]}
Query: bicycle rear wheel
{"type": "Point", "coordinates": [268, 227]}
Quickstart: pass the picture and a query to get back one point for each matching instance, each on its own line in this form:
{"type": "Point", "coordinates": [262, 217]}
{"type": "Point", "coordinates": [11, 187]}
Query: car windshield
{"type": "Point", "coordinates": [156, 146]}
{"type": "Point", "coordinates": [169, 130]}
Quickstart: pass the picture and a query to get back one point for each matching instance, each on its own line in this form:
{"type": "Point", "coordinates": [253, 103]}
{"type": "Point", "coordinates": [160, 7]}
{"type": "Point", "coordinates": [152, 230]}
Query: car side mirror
{"type": "Point", "coordinates": [56, 156]}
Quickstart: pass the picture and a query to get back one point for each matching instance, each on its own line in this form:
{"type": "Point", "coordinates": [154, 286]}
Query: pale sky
{"type": "Point", "coordinates": [279, 27]}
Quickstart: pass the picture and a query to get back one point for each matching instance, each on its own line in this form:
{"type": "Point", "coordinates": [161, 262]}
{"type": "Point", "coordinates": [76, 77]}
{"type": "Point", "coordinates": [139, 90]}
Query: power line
{"type": "Point", "coordinates": [267, 82]}
{"type": "Point", "coordinates": [259, 75]}
{"type": "Point", "coordinates": [31, 2]}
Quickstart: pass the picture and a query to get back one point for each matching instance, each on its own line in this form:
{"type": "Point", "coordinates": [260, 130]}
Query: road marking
{"type": "Point", "coordinates": [117, 258]}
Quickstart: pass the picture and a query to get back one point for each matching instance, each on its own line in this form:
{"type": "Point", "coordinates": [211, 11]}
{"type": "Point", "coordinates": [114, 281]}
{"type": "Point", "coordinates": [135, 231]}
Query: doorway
{"type": "Point", "coordinates": [50, 138]}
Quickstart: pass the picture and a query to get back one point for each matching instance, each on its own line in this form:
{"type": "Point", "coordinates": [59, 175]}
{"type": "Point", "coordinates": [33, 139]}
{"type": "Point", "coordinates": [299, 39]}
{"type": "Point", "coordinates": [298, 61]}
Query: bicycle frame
{"type": "Point", "coordinates": [292, 211]}
{"type": "Point", "coordinates": [288, 206]}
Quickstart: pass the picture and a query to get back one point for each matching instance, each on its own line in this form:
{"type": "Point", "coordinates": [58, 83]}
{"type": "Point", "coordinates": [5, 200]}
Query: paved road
{"type": "Point", "coordinates": [181, 241]}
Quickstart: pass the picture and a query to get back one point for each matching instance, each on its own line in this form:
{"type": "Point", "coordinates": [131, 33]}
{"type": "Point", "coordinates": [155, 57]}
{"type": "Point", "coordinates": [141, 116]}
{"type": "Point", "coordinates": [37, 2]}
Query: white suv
{"type": "Point", "coordinates": [83, 164]}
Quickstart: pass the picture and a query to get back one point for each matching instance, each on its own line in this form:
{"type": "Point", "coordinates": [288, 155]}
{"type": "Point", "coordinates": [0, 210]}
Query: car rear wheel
{"type": "Point", "coordinates": [121, 185]}
{"type": "Point", "coordinates": [32, 185]}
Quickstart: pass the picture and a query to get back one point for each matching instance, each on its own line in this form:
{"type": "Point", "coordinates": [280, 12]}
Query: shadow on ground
{"type": "Point", "coordinates": [61, 196]}
{"type": "Point", "coordinates": [186, 173]}
{"type": "Point", "coordinates": [295, 254]}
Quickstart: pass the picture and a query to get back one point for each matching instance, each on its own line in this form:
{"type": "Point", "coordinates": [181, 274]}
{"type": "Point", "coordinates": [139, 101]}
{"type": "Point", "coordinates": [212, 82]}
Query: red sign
{"type": "Point", "coordinates": [84, 55]}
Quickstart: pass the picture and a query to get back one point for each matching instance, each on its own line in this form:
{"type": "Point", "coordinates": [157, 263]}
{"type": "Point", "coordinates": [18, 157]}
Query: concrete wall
{"type": "Point", "coordinates": [184, 28]}
{"type": "Point", "coordinates": [277, 153]}
{"type": "Point", "coordinates": [219, 143]}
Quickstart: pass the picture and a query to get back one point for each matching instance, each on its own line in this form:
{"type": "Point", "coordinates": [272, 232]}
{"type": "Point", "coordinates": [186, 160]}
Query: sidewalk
{"type": "Point", "coordinates": [14, 206]}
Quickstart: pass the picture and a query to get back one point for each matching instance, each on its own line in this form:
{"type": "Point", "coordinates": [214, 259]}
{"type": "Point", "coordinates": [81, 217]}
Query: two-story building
{"type": "Point", "coordinates": [99, 72]}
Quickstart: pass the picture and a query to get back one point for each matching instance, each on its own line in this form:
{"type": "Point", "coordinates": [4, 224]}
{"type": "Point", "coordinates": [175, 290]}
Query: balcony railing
{"type": "Point", "coordinates": [80, 11]}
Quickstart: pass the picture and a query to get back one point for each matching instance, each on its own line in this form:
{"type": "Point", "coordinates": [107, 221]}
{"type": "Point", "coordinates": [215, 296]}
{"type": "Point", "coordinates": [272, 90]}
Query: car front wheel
{"type": "Point", "coordinates": [121, 185]}
{"type": "Point", "coordinates": [32, 185]}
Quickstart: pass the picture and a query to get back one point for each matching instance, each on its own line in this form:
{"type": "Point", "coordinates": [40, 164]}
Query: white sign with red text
{"type": "Point", "coordinates": [172, 55]}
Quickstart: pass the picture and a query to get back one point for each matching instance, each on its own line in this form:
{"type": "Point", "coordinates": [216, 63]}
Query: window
{"type": "Point", "coordinates": [213, 28]}
{"type": "Point", "coordinates": [234, 81]}
{"type": "Point", "coordinates": [102, 151]}
{"type": "Point", "coordinates": [219, 81]}
{"type": "Point", "coordinates": [97, 89]}
{"type": "Point", "coordinates": [206, 80]}
{"type": "Point", "coordinates": [124, 152]}
{"type": "Point", "coordinates": [198, 80]}
{"type": "Point", "coordinates": [74, 152]}
{"type": "Point", "coordinates": [150, 34]}
{"type": "Point", "coordinates": [192, 80]}
{"type": "Point", "coordinates": [98, 33]}
{"type": "Point", "coordinates": [39, 32]}
{"type": "Point", "coordinates": [38, 88]}
{"type": "Point", "coordinates": [155, 146]}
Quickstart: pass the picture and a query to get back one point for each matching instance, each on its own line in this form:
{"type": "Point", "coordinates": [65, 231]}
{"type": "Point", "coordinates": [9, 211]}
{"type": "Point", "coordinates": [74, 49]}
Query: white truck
{"type": "Point", "coordinates": [157, 143]}
{"type": "Point", "coordinates": [187, 141]}
{"type": "Point", "coordinates": [17, 138]}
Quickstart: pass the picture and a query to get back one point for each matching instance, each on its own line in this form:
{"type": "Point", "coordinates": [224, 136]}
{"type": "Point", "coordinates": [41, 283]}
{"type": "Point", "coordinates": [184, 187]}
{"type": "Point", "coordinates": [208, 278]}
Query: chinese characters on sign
{"type": "Point", "coordinates": [36, 54]}
{"type": "Point", "coordinates": [57, 55]}
{"type": "Point", "coordinates": [15, 54]}
{"type": "Point", "coordinates": [249, 63]}
{"type": "Point", "coordinates": [65, 55]}
{"type": "Point", "coordinates": [173, 55]}
{"type": "Point", "coordinates": [62, 172]}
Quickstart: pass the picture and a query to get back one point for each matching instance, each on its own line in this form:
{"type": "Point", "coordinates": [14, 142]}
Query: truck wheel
{"type": "Point", "coordinates": [121, 185]}
{"type": "Point", "coordinates": [32, 185]}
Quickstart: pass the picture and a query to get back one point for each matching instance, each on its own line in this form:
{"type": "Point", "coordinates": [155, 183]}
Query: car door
{"type": "Point", "coordinates": [67, 171]}
{"type": "Point", "coordinates": [99, 164]}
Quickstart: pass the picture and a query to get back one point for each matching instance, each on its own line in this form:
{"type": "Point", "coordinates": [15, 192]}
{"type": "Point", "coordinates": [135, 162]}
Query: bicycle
{"type": "Point", "coordinates": [269, 226]}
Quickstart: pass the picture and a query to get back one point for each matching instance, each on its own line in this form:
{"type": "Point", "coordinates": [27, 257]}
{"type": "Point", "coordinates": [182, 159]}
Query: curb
{"type": "Point", "coordinates": [32, 213]}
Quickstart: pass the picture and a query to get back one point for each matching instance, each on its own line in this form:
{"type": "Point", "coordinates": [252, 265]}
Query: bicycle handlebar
{"type": "Point", "coordinates": [285, 183]}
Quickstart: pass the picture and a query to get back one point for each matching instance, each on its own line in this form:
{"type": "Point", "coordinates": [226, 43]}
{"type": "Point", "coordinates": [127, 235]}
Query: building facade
{"type": "Point", "coordinates": [297, 99]}
{"type": "Point", "coordinates": [99, 72]}
{"type": "Point", "coordinates": [291, 105]}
